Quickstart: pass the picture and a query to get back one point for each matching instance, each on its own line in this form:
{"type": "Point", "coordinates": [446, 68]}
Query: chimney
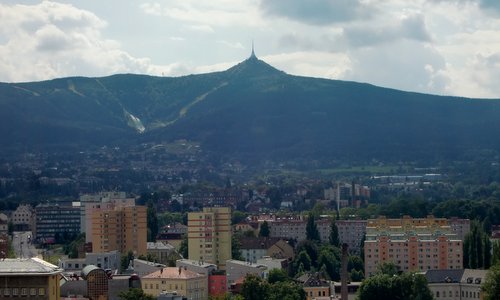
{"type": "Point", "coordinates": [180, 270]}
{"type": "Point", "coordinates": [344, 275]}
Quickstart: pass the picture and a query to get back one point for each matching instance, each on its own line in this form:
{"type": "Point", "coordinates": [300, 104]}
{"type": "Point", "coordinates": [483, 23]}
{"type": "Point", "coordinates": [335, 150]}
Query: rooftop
{"type": "Point", "coordinates": [32, 266]}
{"type": "Point", "coordinates": [174, 273]}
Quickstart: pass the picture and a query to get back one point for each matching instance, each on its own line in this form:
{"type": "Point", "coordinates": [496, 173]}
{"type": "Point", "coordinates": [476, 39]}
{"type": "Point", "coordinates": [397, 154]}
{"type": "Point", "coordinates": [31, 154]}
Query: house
{"type": "Point", "coordinates": [184, 282]}
{"type": "Point", "coordinates": [458, 284]}
{"type": "Point", "coordinates": [253, 249]}
{"type": "Point", "coordinates": [315, 286]}
{"type": "Point", "coordinates": [237, 269]}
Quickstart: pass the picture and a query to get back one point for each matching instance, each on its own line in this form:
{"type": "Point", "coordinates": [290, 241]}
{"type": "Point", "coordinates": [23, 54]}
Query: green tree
{"type": "Point", "coordinates": [276, 275]}
{"type": "Point", "coordinates": [329, 257]}
{"type": "Point", "coordinates": [491, 286]}
{"type": "Point", "coordinates": [477, 248]}
{"type": "Point", "coordinates": [312, 233]}
{"type": "Point", "coordinates": [388, 268]}
{"type": "Point", "coordinates": [183, 248]}
{"type": "Point", "coordinates": [238, 216]}
{"type": "Point", "coordinates": [496, 253]}
{"type": "Point", "coordinates": [255, 288]}
{"type": "Point", "coordinates": [264, 229]}
{"type": "Point", "coordinates": [302, 259]}
{"type": "Point", "coordinates": [135, 294]}
{"type": "Point", "coordinates": [408, 286]}
{"type": "Point", "coordinates": [334, 235]}
{"type": "Point", "coordinates": [125, 260]}
{"type": "Point", "coordinates": [236, 248]}
{"type": "Point", "coordinates": [286, 290]}
{"type": "Point", "coordinates": [152, 222]}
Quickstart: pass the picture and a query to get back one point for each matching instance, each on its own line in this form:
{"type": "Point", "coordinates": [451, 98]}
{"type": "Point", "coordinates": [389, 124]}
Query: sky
{"type": "Point", "coordinates": [443, 47]}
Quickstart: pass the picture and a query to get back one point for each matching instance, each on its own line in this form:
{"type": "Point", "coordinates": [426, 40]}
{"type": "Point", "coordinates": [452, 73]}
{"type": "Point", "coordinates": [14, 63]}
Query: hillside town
{"type": "Point", "coordinates": [103, 246]}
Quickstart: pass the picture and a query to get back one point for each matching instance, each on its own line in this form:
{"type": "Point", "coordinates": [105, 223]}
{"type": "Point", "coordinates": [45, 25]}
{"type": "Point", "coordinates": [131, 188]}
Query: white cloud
{"type": "Point", "coordinates": [51, 39]}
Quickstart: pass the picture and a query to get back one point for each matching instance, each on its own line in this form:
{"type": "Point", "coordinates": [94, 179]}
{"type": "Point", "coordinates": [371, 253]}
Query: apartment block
{"type": "Point", "coordinates": [351, 232]}
{"type": "Point", "coordinates": [412, 244]}
{"type": "Point", "coordinates": [209, 235]}
{"type": "Point", "coordinates": [295, 228]}
{"type": "Point", "coordinates": [120, 228]}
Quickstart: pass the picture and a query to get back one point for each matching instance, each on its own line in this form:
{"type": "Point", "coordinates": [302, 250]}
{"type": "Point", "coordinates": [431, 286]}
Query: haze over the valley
{"type": "Point", "coordinates": [449, 47]}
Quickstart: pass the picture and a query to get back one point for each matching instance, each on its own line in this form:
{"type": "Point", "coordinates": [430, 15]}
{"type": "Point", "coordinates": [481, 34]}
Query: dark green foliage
{"type": "Point", "coordinates": [135, 294]}
{"type": "Point", "coordinates": [311, 248]}
{"type": "Point", "coordinates": [388, 268]}
{"type": "Point", "coordinates": [329, 257]}
{"type": "Point", "coordinates": [236, 247]}
{"type": "Point", "coordinates": [276, 275]}
{"type": "Point", "coordinates": [334, 235]}
{"type": "Point", "coordinates": [125, 260]}
{"type": "Point", "coordinates": [71, 248]}
{"type": "Point", "coordinates": [491, 286]}
{"type": "Point", "coordinates": [286, 290]}
{"type": "Point", "coordinates": [312, 233]}
{"type": "Point", "coordinates": [274, 195]}
{"type": "Point", "coordinates": [477, 248]}
{"type": "Point", "coordinates": [152, 222]}
{"type": "Point", "coordinates": [183, 249]}
{"type": "Point", "coordinates": [408, 286]}
{"type": "Point", "coordinates": [302, 262]}
{"type": "Point", "coordinates": [255, 288]}
{"type": "Point", "coordinates": [264, 229]}
{"type": "Point", "coordinates": [238, 216]}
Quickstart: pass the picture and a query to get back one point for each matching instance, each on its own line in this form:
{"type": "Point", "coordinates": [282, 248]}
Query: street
{"type": "Point", "coordinates": [21, 242]}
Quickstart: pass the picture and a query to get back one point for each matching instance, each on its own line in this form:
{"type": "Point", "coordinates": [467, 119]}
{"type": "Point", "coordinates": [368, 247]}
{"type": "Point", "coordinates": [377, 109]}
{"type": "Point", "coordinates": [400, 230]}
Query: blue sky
{"type": "Point", "coordinates": [448, 47]}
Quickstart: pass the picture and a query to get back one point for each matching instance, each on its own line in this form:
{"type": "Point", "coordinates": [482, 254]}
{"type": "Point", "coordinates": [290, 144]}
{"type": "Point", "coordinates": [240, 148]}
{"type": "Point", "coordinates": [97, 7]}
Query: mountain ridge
{"type": "Point", "coordinates": [250, 111]}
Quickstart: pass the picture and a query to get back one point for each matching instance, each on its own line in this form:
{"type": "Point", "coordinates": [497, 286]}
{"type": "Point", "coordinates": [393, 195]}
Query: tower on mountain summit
{"type": "Point", "coordinates": [252, 55]}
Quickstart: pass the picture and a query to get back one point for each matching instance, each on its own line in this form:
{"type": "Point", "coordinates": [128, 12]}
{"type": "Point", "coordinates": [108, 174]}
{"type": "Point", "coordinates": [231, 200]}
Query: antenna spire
{"type": "Point", "coordinates": [253, 52]}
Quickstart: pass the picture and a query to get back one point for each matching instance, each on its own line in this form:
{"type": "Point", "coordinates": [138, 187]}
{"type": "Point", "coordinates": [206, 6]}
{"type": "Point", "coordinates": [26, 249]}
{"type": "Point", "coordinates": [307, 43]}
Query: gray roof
{"type": "Point", "coordinates": [442, 276]}
{"type": "Point", "coordinates": [32, 266]}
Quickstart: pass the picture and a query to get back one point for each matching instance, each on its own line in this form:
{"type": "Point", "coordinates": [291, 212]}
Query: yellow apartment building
{"type": "Point", "coordinates": [209, 235]}
{"type": "Point", "coordinates": [121, 228]}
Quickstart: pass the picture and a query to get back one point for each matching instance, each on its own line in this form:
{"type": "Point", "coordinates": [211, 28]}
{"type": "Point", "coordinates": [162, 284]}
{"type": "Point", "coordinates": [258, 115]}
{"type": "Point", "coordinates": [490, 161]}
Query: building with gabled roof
{"type": "Point", "coordinates": [180, 280]}
{"type": "Point", "coordinates": [460, 284]}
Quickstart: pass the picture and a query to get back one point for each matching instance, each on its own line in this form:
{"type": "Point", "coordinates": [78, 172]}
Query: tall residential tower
{"type": "Point", "coordinates": [209, 235]}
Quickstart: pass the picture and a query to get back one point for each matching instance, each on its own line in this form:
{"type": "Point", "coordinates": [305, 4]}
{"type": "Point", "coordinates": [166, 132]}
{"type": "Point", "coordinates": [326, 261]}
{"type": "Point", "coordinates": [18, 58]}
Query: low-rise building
{"type": "Point", "coordinates": [31, 278]}
{"type": "Point", "coordinates": [236, 269]}
{"type": "Point", "coordinates": [23, 218]}
{"type": "Point", "coordinates": [458, 284]}
{"type": "Point", "coordinates": [184, 282]}
{"type": "Point", "coordinates": [160, 251]}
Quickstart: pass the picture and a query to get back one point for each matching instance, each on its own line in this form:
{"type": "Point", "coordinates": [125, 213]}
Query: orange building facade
{"type": "Point", "coordinates": [120, 228]}
{"type": "Point", "coordinates": [412, 244]}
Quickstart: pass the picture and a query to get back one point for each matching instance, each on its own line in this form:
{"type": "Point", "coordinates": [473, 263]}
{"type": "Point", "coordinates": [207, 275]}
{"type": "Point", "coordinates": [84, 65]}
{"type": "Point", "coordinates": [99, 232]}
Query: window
{"type": "Point", "coordinates": [41, 291]}
{"type": "Point", "coordinates": [33, 292]}
{"type": "Point", "coordinates": [24, 292]}
{"type": "Point", "coordinates": [15, 291]}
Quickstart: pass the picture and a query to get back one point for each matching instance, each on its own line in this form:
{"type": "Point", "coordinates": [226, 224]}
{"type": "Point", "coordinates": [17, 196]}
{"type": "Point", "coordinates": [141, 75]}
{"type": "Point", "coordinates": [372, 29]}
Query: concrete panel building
{"type": "Point", "coordinates": [412, 244]}
{"type": "Point", "coordinates": [120, 228]}
{"type": "Point", "coordinates": [209, 235]}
